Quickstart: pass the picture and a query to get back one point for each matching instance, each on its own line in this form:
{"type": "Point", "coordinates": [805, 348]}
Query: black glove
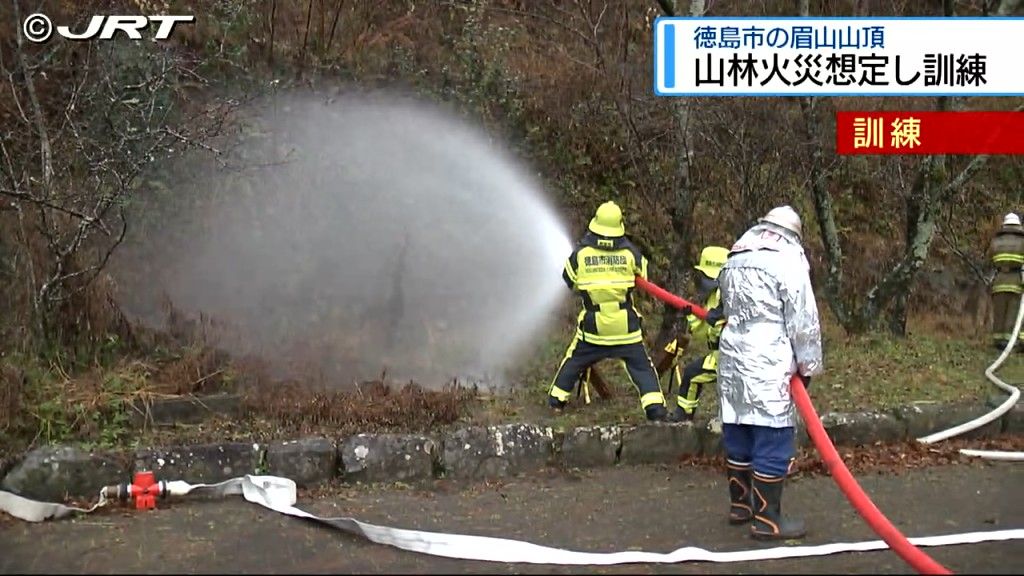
{"type": "Point", "coordinates": [807, 382]}
{"type": "Point", "coordinates": [714, 316]}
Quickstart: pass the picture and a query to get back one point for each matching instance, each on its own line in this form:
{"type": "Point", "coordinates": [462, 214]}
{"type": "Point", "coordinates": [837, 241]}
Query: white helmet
{"type": "Point", "coordinates": [1011, 219]}
{"type": "Point", "coordinates": [785, 217]}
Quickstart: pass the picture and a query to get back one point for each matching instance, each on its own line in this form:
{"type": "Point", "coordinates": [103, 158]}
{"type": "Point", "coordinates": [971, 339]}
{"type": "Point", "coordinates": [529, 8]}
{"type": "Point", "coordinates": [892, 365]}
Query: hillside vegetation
{"type": "Point", "coordinates": [90, 127]}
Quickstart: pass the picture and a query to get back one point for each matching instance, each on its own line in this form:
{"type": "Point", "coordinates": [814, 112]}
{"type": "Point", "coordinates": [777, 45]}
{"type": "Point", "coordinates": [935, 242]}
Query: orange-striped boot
{"type": "Point", "coordinates": [769, 524]}
{"type": "Point", "coordinates": [740, 511]}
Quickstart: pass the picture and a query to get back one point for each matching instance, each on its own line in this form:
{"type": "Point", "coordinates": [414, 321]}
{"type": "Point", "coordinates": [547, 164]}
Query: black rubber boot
{"type": "Point", "coordinates": [556, 404]}
{"type": "Point", "coordinates": [680, 415]}
{"type": "Point", "coordinates": [740, 510]}
{"type": "Point", "coordinates": [656, 413]}
{"type": "Point", "coordinates": [769, 524]}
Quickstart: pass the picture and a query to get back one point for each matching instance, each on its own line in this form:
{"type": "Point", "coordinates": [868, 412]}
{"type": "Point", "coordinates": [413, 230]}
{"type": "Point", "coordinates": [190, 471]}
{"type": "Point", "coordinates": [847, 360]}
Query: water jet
{"type": "Point", "coordinates": [358, 235]}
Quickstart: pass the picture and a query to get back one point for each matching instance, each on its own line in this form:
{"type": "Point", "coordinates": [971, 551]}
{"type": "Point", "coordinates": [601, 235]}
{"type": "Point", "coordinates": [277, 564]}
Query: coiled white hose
{"type": "Point", "coordinates": [996, 413]}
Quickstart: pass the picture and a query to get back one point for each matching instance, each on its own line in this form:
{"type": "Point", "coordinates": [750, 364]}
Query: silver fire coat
{"type": "Point", "coordinates": [772, 331]}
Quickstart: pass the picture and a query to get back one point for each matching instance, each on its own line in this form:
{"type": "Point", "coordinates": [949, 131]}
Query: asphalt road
{"type": "Point", "coordinates": [654, 509]}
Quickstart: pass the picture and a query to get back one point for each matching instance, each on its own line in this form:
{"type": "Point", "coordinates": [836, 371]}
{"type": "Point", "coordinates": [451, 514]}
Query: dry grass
{"type": "Point", "coordinates": [50, 403]}
{"type": "Point", "coordinates": [44, 402]}
{"type": "Point", "coordinates": [941, 360]}
{"type": "Point", "coordinates": [880, 458]}
{"type": "Point", "coordinates": [372, 406]}
{"type": "Point", "coordinates": [195, 370]}
{"type": "Point", "coordinates": [12, 388]}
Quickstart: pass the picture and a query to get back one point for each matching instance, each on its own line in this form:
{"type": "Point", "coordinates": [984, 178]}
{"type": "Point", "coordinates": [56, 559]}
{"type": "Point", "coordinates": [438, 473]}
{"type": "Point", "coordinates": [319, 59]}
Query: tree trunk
{"type": "Point", "coordinates": [922, 206]}
{"type": "Point", "coordinates": [897, 283]}
{"type": "Point", "coordinates": [823, 209]}
{"type": "Point", "coordinates": [273, 28]}
{"type": "Point", "coordinates": [682, 253]}
{"type": "Point", "coordinates": [334, 25]}
{"type": "Point", "coordinates": [930, 190]}
{"type": "Point", "coordinates": [40, 311]}
{"type": "Point", "coordinates": [825, 214]}
{"type": "Point", "coordinates": [1007, 7]}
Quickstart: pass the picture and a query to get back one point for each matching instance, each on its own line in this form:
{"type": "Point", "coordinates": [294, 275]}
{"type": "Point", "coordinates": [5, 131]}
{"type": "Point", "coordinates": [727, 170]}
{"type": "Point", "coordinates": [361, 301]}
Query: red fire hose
{"type": "Point", "coordinates": [912, 555]}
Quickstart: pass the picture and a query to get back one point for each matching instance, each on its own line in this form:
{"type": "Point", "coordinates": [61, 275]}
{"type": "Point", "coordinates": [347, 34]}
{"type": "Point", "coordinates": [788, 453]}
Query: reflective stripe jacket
{"type": "Point", "coordinates": [1007, 253]}
{"type": "Point", "coordinates": [701, 330]}
{"type": "Point", "coordinates": [603, 271]}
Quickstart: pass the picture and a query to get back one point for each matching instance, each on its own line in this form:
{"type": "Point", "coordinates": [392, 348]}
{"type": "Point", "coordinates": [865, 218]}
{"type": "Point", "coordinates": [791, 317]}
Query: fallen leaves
{"type": "Point", "coordinates": [894, 458]}
{"type": "Point", "coordinates": [887, 458]}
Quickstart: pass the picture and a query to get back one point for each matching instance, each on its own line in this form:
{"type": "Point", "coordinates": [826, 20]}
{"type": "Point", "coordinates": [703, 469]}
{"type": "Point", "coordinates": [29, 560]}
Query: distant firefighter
{"type": "Point", "coordinates": [603, 270]}
{"type": "Point", "coordinates": [1007, 255]}
{"type": "Point", "coordinates": [772, 332]}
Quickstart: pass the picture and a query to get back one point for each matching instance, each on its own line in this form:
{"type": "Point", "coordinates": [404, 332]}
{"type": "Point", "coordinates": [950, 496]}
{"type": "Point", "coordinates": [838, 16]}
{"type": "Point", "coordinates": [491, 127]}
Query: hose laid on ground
{"type": "Point", "coordinates": [917, 559]}
{"type": "Point", "coordinates": [993, 455]}
{"type": "Point", "coordinates": [32, 511]}
{"type": "Point", "coordinates": [279, 494]}
{"type": "Point", "coordinates": [997, 412]}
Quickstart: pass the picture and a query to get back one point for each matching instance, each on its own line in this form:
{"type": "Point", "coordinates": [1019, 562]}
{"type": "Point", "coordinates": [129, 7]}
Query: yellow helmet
{"type": "Point", "coordinates": [608, 221]}
{"type": "Point", "coordinates": [712, 259]}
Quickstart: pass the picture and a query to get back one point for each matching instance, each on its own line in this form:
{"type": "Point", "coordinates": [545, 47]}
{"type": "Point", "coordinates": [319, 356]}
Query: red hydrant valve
{"type": "Point", "coordinates": [144, 490]}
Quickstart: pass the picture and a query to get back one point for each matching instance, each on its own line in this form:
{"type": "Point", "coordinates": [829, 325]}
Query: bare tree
{"type": "Point", "coordinates": [823, 208]}
{"type": "Point", "coordinates": [745, 138]}
{"type": "Point", "coordinates": [89, 119]}
{"type": "Point", "coordinates": [682, 197]}
{"type": "Point", "coordinates": [930, 190]}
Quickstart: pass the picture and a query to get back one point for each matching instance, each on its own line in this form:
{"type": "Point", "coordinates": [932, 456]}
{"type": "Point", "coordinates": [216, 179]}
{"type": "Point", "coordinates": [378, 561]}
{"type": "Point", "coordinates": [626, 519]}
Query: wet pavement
{"type": "Point", "coordinates": [652, 508]}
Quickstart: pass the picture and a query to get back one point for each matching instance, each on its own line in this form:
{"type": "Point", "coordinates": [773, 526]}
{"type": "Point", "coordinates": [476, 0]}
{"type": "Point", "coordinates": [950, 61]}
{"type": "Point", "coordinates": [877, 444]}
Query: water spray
{"type": "Point", "coordinates": [359, 235]}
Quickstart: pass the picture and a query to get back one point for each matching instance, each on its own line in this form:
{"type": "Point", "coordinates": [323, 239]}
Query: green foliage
{"type": "Point", "coordinates": [885, 371]}
{"type": "Point", "coordinates": [874, 371]}
{"type": "Point", "coordinates": [478, 76]}
{"type": "Point", "coordinates": [594, 133]}
{"type": "Point", "coordinates": [93, 409]}
{"type": "Point", "coordinates": [232, 22]}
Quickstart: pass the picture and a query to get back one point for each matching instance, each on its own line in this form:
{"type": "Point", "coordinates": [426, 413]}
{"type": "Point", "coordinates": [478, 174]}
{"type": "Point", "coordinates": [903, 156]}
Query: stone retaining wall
{"type": "Point", "coordinates": [55, 473]}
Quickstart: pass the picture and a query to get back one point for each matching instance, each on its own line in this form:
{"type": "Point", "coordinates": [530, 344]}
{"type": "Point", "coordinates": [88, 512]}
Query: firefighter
{"type": "Point", "coordinates": [703, 370]}
{"type": "Point", "coordinates": [773, 331]}
{"type": "Point", "coordinates": [1007, 254]}
{"type": "Point", "coordinates": [603, 270]}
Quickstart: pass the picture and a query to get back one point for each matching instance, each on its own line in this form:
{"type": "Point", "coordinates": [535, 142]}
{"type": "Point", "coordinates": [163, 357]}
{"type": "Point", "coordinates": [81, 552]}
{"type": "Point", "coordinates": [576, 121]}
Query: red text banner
{"type": "Point", "coordinates": [920, 132]}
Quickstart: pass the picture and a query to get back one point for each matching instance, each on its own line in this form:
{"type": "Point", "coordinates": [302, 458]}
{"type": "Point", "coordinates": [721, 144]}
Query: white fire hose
{"type": "Point", "coordinates": [279, 494]}
{"type": "Point", "coordinates": [996, 413]}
